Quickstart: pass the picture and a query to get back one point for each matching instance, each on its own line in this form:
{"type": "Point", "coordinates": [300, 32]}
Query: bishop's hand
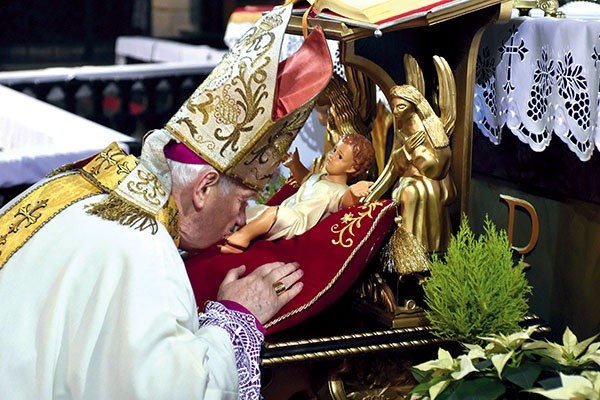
{"type": "Point", "coordinates": [263, 291]}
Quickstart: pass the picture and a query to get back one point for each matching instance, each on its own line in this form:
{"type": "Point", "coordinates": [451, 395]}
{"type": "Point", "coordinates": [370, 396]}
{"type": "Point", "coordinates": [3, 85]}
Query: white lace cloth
{"type": "Point", "coordinates": [540, 77]}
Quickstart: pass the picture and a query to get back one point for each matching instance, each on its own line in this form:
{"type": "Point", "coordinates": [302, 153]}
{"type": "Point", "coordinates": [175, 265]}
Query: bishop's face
{"type": "Point", "coordinates": [224, 211]}
{"type": "Point", "coordinates": [213, 214]}
{"type": "Point", "coordinates": [340, 160]}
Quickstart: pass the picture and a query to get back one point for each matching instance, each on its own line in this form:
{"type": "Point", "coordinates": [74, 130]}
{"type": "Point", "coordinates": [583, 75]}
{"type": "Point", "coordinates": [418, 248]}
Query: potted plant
{"type": "Point", "coordinates": [476, 289]}
{"type": "Point", "coordinates": [513, 366]}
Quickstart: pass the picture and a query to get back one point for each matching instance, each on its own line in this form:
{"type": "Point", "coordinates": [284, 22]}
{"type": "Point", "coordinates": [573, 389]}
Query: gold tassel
{"type": "Point", "coordinates": [404, 253]}
{"type": "Point", "coordinates": [115, 208]}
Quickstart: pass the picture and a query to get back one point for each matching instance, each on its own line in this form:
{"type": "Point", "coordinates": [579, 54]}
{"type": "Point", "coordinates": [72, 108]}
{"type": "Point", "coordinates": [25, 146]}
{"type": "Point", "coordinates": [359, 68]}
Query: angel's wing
{"type": "Point", "coordinates": [446, 94]}
{"type": "Point", "coordinates": [363, 94]}
{"type": "Point", "coordinates": [414, 74]}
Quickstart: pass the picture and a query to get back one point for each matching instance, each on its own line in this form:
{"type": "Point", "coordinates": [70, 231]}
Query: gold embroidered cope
{"type": "Point", "coordinates": [132, 191]}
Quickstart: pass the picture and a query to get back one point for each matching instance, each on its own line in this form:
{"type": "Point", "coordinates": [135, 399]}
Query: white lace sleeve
{"type": "Point", "coordinates": [246, 339]}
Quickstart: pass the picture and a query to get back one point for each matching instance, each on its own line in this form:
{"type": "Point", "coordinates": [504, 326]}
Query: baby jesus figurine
{"type": "Point", "coordinates": [320, 195]}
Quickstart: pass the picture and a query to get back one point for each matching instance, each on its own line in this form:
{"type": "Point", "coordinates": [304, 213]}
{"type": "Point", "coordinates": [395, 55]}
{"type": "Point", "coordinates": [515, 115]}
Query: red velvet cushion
{"type": "Point", "coordinates": [332, 254]}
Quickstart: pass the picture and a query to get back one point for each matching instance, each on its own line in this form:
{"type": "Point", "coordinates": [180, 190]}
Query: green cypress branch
{"type": "Point", "coordinates": [476, 290]}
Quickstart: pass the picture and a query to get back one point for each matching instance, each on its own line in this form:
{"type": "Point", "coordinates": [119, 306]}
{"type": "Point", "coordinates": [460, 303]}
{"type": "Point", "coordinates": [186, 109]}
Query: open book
{"type": "Point", "coordinates": [375, 11]}
{"type": "Point", "coordinates": [383, 14]}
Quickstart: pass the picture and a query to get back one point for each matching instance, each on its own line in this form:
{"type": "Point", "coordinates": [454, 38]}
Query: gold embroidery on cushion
{"type": "Point", "coordinates": [27, 215]}
{"type": "Point", "coordinates": [345, 230]}
{"type": "Point", "coordinates": [350, 257]}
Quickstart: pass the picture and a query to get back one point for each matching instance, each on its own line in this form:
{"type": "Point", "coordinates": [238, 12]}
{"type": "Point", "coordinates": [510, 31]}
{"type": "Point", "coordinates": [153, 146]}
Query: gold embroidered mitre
{"type": "Point", "coordinates": [247, 112]}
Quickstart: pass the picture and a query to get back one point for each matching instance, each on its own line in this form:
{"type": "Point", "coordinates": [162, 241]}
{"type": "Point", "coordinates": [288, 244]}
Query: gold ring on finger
{"type": "Point", "coordinates": [279, 287]}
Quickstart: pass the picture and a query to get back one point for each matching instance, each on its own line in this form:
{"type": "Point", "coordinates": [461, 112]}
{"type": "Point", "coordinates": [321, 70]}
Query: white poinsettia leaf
{"type": "Point", "coordinates": [556, 394]}
{"type": "Point", "coordinates": [569, 339]}
{"type": "Point", "coordinates": [573, 388]}
{"type": "Point", "coordinates": [537, 344]}
{"type": "Point", "coordinates": [594, 357]}
{"type": "Point", "coordinates": [476, 353]}
{"type": "Point", "coordinates": [579, 384]}
{"type": "Point", "coordinates": [466, 367]}
{"type": "Point", "coordinates": [522, 335]}
{"type": "Point", "coordinates": [493, 342]}
{"type": "Point", "coordinates": [594, 378]}
{"type": "Point", "coordinates": [500, 360]}
{"type": "Point", "coordinates": [547, 349]}
{"type": "Point", "coordinates": [433, 364]}
{"type": "Point", "coordinates": [444, 361]}
{"type": "Point", "coordinates": [531, 330]}
{"type": "Point", "coordinates": [470, 346]}
{"type": "Point", "coordinates": [594, 347]}
{"type": "Point", "coordinates": [438, 388]}
{"type": "Point", "coordinates": [501, 342]}
{"type": "Point", "coordinates": [444, 354]}
{"type": "Point", "coordinates": [574, 381]}
{"type": "Point", "coordinates": [582, 346]}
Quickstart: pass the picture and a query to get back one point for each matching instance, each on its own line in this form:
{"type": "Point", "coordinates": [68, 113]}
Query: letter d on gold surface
{"type": "Point", "coordinates": [513, 202]}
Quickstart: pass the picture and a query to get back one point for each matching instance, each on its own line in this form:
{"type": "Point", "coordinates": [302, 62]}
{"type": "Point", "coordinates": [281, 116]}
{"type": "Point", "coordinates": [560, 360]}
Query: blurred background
{"type": "Point", "coordinates": [36, 34]}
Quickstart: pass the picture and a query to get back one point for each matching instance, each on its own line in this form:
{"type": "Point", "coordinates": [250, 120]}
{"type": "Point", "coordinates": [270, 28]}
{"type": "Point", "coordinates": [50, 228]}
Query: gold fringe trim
{"type": "Point", "coordinates": [117, 209]}
{"type": "Point", "coordinates": [404, 253]}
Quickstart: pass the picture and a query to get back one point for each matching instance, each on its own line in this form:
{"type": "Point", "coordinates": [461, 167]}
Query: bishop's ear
{"type": "Point", "coordinates": [204, 184]}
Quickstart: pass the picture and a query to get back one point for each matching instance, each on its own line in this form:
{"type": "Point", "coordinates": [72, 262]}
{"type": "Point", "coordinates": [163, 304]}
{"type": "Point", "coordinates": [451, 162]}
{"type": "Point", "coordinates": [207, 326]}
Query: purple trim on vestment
{"type": "Point", "coordinates": [246, 339]}
{"type": "Point", "coordinates": [232, 305]}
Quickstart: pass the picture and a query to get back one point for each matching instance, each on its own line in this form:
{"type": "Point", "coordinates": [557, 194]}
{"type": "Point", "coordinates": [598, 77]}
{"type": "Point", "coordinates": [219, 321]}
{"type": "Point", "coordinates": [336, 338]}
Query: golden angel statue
{"type": "Point", "coordinates": [418, 167]}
